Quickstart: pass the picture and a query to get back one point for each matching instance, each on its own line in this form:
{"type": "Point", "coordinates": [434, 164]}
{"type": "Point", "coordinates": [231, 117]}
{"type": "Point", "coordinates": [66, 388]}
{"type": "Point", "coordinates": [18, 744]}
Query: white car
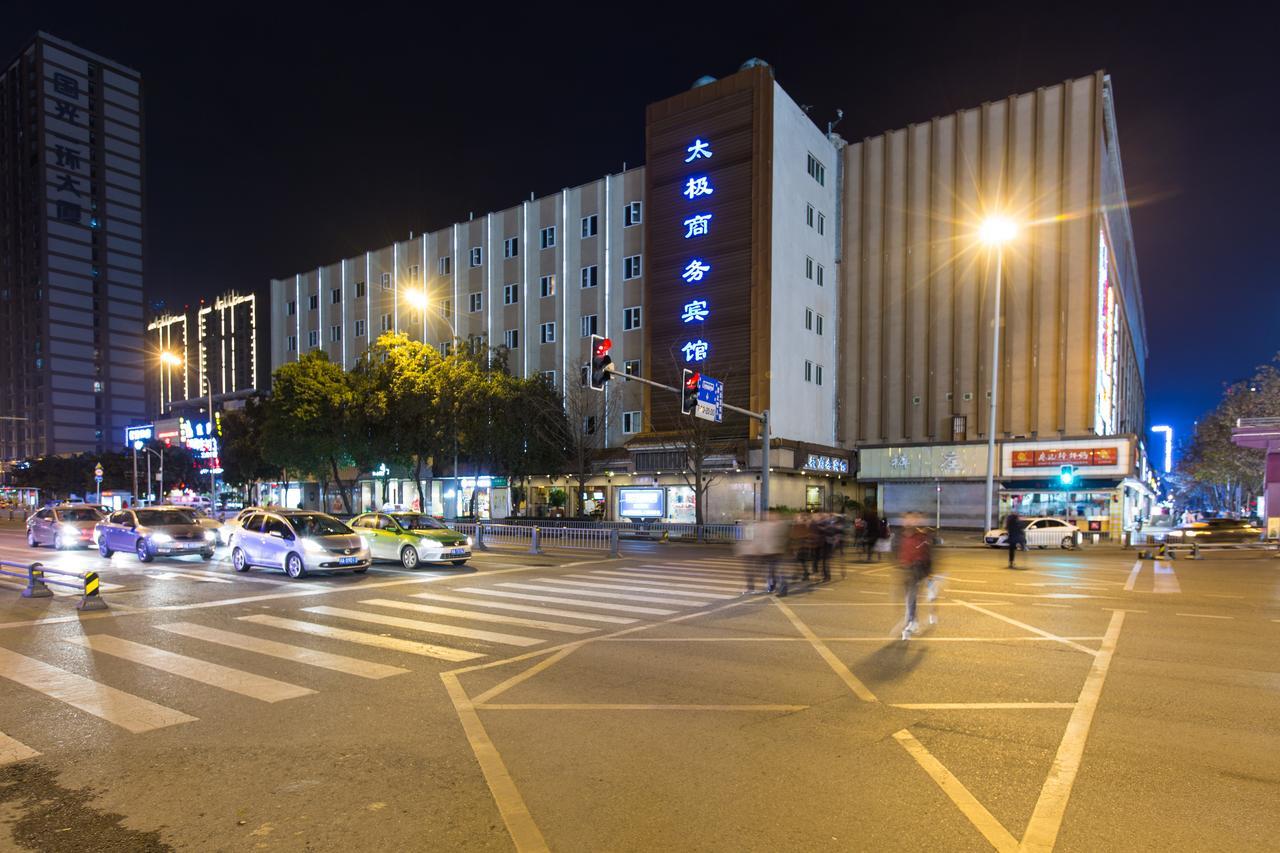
{"type": "Point", "coordinates": [232, 526]}
{"type": "Point", "coordinates": [1041, 532]}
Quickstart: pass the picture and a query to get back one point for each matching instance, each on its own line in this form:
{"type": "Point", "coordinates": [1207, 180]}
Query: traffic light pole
{"type": "Point", "coordinates": [762, 417]}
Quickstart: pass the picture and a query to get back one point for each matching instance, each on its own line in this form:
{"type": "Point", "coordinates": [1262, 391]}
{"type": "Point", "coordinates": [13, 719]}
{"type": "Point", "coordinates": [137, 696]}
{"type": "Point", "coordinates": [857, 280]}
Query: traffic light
{"type": "Point", "coordinates": [1067, 474]}
{"type": "Point", "coordinates": [600, 361]}
{"type": "Point", "coordinates": [689, 391]}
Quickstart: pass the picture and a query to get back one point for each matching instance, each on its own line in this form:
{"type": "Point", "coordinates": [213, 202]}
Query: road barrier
{"type": "Point", "coordinates": [660, 530]}
{"type": "Point", "coordinates": [534, 537]}
{"type": "Point", "coordinates": [37, 576]}
{"type": "Point", "coordinates": [1163, 549]}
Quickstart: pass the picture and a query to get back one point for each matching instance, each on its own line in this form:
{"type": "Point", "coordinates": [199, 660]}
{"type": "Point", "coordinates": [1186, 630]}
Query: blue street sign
{"type": "Point", "coordinates": [710, 399]}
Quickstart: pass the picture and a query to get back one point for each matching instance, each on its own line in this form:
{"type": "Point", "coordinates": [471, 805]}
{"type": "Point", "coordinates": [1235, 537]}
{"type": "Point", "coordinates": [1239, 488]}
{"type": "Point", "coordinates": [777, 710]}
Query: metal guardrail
{"type": "Point", "coordinates": [642, 530]}
{"type": "Point", "coordinates": [534, 536]}
{"type": "Point", "coordinates": [1164, 549]}
{"type": "Point", "coordinates": [37, 576]}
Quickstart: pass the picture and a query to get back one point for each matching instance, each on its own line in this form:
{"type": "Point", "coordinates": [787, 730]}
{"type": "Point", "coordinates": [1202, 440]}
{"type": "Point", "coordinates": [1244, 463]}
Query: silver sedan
{"type": "Point", "coordinates": [156, 532]}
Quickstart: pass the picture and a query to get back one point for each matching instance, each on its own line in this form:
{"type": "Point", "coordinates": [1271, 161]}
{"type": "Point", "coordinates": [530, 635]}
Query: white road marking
{"type": "Point", "coordinates": [675, 581]}
{"type": "Point", "coordinates": [553, 599]}
{"type": "Point", "coordinates": [1060, 595]}
{"type": "Point", "coordinates": [425, 627]}
{"type": "Point", "coordinates": [610, 584]}
{"type": "Point", "coordinates": [115, 706]}
{"type": "Point", "coordinates": [215, 675]}
{"type": "Point", "coordinates": [617, 596]}
{"type": "Point", "coordinates": [1042, 604]}
{"type": "Point", "coordinates": [785, 709]}
{"type": "Point", "coordinates": [1204, 616]}
{"type": "Point", "coordinates": [168, 576]}
{"type": "Point", "coordinates": [1166, 580]}
{"type": "Point", "coordinates": [560, 627]}
{"type": "Point", "coordinates": [983, 820]}
{"type": "Point", "coordinates": [396, 644]}
{"type": "Point", "coordinates": [11, 750]}
{"type": "Point", "coordinates": [526, 608]}
{"type": "Point", "coordinates": [1133, 576]}
{"type": "Point", "coordinates": [695, 570]}
{"type": "Point", "coordinates": [984, 706]}
{"type": "Point", "coordinates": [297, 654]}
{"type": "Point", "coordinates": [1046, 819]}
{"type": "Point", "coordinates": [1033, 629]}
{"type": "Point", "coordinates": [843, 672]}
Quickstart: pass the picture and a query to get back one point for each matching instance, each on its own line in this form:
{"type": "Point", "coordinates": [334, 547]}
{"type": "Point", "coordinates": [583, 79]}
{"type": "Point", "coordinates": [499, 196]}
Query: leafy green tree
{"type": "Point", "coordinates": [243, 432]}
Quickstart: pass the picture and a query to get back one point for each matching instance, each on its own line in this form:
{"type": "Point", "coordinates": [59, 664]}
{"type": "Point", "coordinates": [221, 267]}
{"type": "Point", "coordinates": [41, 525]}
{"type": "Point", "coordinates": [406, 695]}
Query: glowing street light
{"type": "Point", "coordinates": [995, 232]}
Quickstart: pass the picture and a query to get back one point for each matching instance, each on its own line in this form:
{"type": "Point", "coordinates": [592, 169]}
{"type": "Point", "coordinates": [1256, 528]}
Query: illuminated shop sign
{"type": "Point", "coordinates": [696, 226]}
{"type": "Point", "coordinates": [139, 433]}
{"type": "Point", "coordinates": [642, 503]}
{"type": "Point", "coordinates": [834, 464]}
{"type": "Point", "coordinates": [1108, 335]}
{"type": "Point", "coordinates": [200, 437]}
{"type": "Point", "coordinates": [1052, 458]}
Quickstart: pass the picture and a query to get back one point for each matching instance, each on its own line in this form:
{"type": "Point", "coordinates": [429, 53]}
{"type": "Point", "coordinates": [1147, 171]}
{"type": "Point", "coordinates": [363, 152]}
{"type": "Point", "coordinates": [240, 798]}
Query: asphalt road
{"type": "Point", "coordinates": [1088, 701]}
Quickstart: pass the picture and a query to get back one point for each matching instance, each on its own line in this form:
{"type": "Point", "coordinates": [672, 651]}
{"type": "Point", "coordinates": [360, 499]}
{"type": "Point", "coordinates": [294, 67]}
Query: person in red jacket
{"type": "Point", "coordinates": [915, 561]}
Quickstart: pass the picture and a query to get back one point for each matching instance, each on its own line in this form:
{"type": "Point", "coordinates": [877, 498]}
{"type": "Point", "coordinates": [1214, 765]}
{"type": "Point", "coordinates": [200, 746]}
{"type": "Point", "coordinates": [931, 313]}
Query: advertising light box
{"type": "Point", "coordinates": [642, 503]}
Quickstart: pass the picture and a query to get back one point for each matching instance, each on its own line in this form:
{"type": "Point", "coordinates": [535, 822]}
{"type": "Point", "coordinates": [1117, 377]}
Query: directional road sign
{"type": "Point", "coordinates": [710, 399]}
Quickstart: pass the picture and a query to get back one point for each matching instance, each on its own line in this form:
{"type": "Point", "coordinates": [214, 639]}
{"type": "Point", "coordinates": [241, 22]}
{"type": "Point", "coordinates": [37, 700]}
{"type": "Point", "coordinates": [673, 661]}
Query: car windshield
{"type": "Point", "coordinates": [158, 517]}
{"type": "Point", "coordinates": [419, 522]}
{"type": "Point", "coordinates": [80, 515]}
{"type": "Point", "coordinates": [318, 525]}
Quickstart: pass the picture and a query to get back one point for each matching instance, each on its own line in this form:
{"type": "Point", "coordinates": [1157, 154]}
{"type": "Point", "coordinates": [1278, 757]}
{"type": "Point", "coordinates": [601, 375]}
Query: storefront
{"type": "Point", "coordinates": [946, 483]}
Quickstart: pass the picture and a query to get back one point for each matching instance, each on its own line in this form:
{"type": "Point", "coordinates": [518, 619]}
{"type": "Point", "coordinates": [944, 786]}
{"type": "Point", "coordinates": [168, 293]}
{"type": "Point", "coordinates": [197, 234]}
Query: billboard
{"type": "Point", "coordinates": [642, 503]}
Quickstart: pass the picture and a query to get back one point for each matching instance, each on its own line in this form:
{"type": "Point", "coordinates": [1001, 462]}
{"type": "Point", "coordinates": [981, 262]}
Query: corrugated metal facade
{"type": "Point", "coordinates": [919, 288]}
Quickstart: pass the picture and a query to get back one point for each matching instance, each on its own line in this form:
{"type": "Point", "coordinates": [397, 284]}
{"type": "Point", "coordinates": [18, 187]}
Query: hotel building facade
{"type": "Point", "coordinates": [837, 286]}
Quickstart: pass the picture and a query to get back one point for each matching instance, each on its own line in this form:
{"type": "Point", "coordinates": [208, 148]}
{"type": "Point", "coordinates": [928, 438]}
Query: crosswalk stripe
{"type": "Point", "coordinates": [527, 608]}
{"type": "Point", "coordinates": [554, 599]}
{"type": "Point", "coordinates": [481, 617]}
{"type": "Point", "coordinates": [734, 580]}
{"type": "Point", "coordinates": [697, 571]}
{"type": "Point", "coordinates": [297, 654]}
{"type": "Point", "coordinates": [425, 627]}
{"type": "Point", "coordinates": [11, 750]}
{"type": "Point", "coordinates": [611, 584]}
{"type": "Point", "coordinates": [215, 675]}
{"type": "Point", "coordinates": [651, 578]}
{"type": "Point", "coordinates": [618, 596]}
{"type": "Point", "coordinates": [130, 712]}
{"type": "Point", "coordinates": [396, 644]}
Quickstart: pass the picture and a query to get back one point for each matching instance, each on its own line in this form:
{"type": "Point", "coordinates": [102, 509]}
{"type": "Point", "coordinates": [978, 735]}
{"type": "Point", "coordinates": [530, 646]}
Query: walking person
{"type": "Point", "coordinates": [915, 562]}
{"type": "Point", "coordinates": [1015, 534]}
{"type": "Point", "coordinates": [871, 532]}
{"type": "Point", "coordinates": [771, 538]}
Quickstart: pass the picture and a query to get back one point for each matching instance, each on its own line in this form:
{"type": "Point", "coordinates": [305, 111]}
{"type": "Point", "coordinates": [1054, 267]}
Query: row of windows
{"type": "Point", "coordinates": [812, 321]}
{"type": "Point", "coordinates": [631, 269]}
{"type": "Point", "coordinates": [812, 269]}
{"type": "Point", "coordinates": [814, 219]}
{"type": "Point", "coordinates": [813, 372]}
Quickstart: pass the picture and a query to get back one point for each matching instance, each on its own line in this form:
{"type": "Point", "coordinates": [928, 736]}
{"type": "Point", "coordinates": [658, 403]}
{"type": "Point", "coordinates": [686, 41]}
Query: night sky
{"type": "Point", "coordinates": [278, 141]}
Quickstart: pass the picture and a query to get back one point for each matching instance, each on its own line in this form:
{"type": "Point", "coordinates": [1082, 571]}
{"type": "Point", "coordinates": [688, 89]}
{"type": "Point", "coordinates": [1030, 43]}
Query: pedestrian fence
{"type": "Point", "coordinates": [534, 537]}
{"type": "Point", "coordinates": [1157, 546]}
{"type": "Point", "coordinates": [38, 577]}
{"type": "Point", "coordinates": [658, 530]}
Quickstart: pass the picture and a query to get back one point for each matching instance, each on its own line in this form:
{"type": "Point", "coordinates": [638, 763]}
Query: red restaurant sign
{"type": "Point", "coordinates": [1098, 456]}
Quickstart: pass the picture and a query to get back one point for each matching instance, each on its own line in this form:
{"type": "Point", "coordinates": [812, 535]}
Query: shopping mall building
{"type": "Point", "coordinates": [840, 286]}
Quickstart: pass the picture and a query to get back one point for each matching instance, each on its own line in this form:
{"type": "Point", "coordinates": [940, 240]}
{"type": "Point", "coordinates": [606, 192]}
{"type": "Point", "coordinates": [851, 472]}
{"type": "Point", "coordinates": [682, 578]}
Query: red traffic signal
{"type": "Point", "coordinates": [689, 391]}
{"type": "Point", "coordinates": [603, 347]}
{"type": "Point", "coordinates": [600, 361]}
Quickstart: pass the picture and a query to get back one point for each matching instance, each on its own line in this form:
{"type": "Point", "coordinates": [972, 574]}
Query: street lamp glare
{"type": "Point", "coordinates": [416, 298]}
{"type": "Point", "coordinates": [170, 358]}
{"type": "Point", "coordinates": [997, 230]}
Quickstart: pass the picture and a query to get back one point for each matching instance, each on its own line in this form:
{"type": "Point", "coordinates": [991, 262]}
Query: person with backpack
{"type": "Point", "coordinates": [915, 562]}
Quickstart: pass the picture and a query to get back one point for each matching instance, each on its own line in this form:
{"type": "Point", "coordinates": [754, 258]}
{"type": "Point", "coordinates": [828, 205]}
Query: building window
{"type": "Point", "coordinates": [335, 333]}
{"type": "Point", "coordinates": [293, 308]}
{"type": "Point", "coordinates": [808, 319]}
{"type": "Point", "coordinates": [313, 338]}
{"type": "Point", "coordinates": [386, 281]}
{"type": "Point", "coordinates": [808, 268]}
{"type": "Point", "coordinates": [511, 247]}
{"type": "Point", "coordinates": [818, 327]}
{"type": "Point", "coordinates": [475, 343]}
{"type": "Point", "coordinates": [590, 276]}
{"type": "Point", "coordinates": [817, 374]}
{"type": "Point", "coordinates": [446, 348]}
{"type": "Point", "coordinates": [589, 425]}
{"type": "Point", "coordinates": [446, 308]}
{"type": "Point", "coordinates": [414, 272]}
{"type": "Point", "coordinates": [386, 322]}
{"type": "Point", "coordinates": [632, 367]}
{"type": "Point", "coordinates": [808, 371]}
{"type": "Point", "coordinates": [547, 238]}
{"type": "Point", "coordinates": [359, 289]}
{"type": "Point", "coordinates": [97, 387]}
{"type": "Point", "coordinates": [817, 171]}
{"type": "Point", "coordinates": [547, 285]}
{"type": "Point", "coordinates": [548, 333]}
{"type": "Point", "coordinates": [446, 265]}
{"type": "Point", "coordinates": [630, 267]}
{"type": "Point", "coordinates": [820, 271]}
{"type": "Point", "coordinates": [293, 343]}
{"type": "Point", "coordinates": [590, 225]}
{"type": "Point", "coordinates": [822, 224]}
{"type": "Point", "coordinates": [588, 325]}
{"type": "Point", "coordinates": [511, 338]}
{"type": "Point", "coordinates": [477, 256]}
{"type": "Point", "coordinates": [808, 215]}
{"type": "Point", "coordinates": [313, 301]}
{"type": "Point", "coordinates": [359, 328]}
{"type": "Point", "coordinates": [335, 296]}
{"type": "Point", "coordinates": [510, 294]}
{"type": "Point", "coordinates": [630, 422]}
{"type": "Point", "coordinates": [549, 377]}
{"type": "Point", "coordinates": [475, 301]}
{"type": "Point", "coordinates": [630, 318]}
{"type": "Point", "coordinates": [631, 214]}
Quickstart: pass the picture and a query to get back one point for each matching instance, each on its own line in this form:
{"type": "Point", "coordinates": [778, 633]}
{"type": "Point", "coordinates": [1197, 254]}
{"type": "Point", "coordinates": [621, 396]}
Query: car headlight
{"type": "Point", "coordinates": [161, 537]}
{"type": "Point", "coordinates": [468, 541]}
{"type": "Point", "coordinates": [70, 530]}
{"type": "Point", "coordinates": [210, 536]}
{"type": "Point", "coordinates": [313, 546]}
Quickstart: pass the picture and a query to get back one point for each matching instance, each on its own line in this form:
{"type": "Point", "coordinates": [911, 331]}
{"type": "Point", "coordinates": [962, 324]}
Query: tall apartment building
{"type": "Point", "coordinates": [216, 343]}
{"type": "Point", "coordinates": [71, 249]}
{"type": "Point", "coordinates": [839, 286]}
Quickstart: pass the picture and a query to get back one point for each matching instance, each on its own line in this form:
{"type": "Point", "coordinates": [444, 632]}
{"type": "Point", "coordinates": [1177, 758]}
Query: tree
{"type": "Point", "coordinates": [309, 418]}
{"type": "Point", "coordinates": [700, 441]}
{"type": "Point", "coordinates": [396, 419]}
{"type": "Point", "coordinates": [243, 441]}
{"type": "Point", "coordinates": [575, 426]}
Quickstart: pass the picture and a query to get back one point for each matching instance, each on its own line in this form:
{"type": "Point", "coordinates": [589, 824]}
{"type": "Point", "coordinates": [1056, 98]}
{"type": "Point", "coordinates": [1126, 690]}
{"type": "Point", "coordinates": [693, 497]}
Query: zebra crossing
{"type": "Point", "coordinates": [522, 614]}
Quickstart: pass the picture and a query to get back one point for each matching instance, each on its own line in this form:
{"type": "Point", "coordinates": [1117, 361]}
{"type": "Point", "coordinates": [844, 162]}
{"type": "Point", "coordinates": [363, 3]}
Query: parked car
{"type": "Point", "coordinates": [411, 538]}
{"type": "Point", "coordinates": [1213, 531]}
{"type": "Point", "coordinates": [1043, 532]}
{"type": "Point", "coordinates": [63, 526]}
{"type": "Point", "coordinates": [154, 532]}
{"type": "Point", "coordinates": [298, 541]}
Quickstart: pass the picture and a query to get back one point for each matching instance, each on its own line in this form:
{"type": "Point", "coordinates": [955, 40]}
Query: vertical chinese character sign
{"type": "Point", "coordinates": [698, 189]}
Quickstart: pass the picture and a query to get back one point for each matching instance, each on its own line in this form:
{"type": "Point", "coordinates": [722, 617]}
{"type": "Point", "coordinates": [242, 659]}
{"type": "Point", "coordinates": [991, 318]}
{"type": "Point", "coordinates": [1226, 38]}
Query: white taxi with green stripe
{"type": "Point", "coordinates": [410, 538]}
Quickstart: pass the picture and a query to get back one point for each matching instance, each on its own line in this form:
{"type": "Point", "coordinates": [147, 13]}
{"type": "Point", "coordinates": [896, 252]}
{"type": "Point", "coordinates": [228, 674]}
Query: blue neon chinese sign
{"type": "Point", "coordinates": [696, 225]}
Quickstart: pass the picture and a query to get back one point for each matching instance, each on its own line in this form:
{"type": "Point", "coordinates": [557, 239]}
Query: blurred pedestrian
{"type": "Point", "coordinates": [826, 534]}
{"type": "Point", "coordinates": [1015, 531]}
{"type": "Point", "coordinates": [770, 535]}
{"type": "Point", "coordinates": [801, 542]}
{"type": "Point", "coordinates": [915, 562]}
{"type": "Point", "coordinates": [870, 532]}
{"type": "Point", "coordinates": [883, 543]}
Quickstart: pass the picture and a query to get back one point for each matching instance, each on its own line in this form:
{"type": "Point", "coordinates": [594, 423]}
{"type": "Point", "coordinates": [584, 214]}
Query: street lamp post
{"type": "Point", "coordinates": [172, 359]}
{"type": "Point", "coordinates": [995, 232]}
